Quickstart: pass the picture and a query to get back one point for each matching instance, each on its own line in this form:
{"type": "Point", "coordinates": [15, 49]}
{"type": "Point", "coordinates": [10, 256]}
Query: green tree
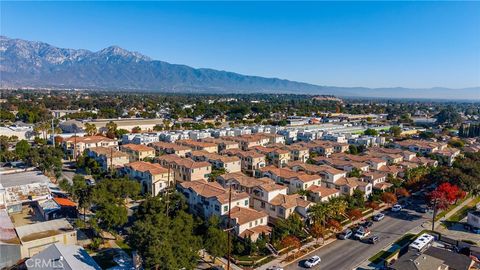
{"type": "Point", "coordinates": [216, 239]}
{"type": "Point", "coordinates": [90, 129]}
{"type": "Point", "coordinates": [395, 131]}
{"type": "Point", "coordinates": [370, 132]}
{"type": "Point", "coordinates": [22, 148]}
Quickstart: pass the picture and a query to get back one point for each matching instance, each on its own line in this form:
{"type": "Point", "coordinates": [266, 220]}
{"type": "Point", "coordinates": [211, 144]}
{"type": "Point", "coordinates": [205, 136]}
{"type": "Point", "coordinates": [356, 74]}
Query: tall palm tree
{"type": "Point", "coordinates": [320, 212]}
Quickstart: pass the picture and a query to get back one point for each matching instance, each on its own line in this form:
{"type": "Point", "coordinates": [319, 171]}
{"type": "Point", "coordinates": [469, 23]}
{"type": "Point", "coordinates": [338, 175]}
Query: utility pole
{"type": "Point", "coordinates": [111, 160]}
{"type": "Point", "coordinates": [228, 225]}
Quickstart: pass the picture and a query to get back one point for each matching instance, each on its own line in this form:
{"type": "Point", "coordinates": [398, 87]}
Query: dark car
{"type": "Point", "coordinates": [345, 234]}
{"type": "Point", "coordinates": [367, 224]}
{"type": "Point", "coordinates": [373, 239]}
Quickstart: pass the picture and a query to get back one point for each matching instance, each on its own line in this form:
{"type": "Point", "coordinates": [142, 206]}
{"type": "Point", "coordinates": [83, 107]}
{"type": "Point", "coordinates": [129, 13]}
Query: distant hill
{"type": "Point", "coordinates": [37, 64]}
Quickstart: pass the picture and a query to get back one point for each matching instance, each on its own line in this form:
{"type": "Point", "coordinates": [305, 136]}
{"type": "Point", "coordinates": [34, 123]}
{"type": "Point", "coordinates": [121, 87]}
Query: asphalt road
{"type": "Point", "coordinates": [348, 254]}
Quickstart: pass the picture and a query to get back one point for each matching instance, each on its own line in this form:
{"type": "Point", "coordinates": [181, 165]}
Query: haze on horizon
{"type": "Point", "coordinates": [374, 44]}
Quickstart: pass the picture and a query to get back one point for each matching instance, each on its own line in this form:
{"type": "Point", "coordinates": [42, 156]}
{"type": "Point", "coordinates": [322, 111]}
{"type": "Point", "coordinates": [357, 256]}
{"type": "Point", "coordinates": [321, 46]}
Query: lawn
{"type": "Point", "coordinates": [462, 213]}
{"type": "Point", "coordinates": [450, 208]}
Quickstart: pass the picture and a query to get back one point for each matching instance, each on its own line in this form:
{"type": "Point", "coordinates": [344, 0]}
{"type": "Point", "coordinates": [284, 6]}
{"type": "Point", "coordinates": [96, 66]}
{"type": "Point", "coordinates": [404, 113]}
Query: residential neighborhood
{"type": "Point", "coordinates": [260, 196]}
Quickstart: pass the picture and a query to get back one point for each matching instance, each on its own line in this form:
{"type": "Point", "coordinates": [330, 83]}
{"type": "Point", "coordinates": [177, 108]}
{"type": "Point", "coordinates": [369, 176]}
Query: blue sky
{"type": "Point", "coordinates": [371, 44]}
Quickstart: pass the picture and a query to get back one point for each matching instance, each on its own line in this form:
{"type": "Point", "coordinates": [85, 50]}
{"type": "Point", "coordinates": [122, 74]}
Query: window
{"type": "Point", "coordinates": [217, 208]}
{"type": "Point", "coordinates": [280, 211]}
{"type": "Point", "coordinates": [246, 202]}
{"type": "Point", "coordinates": [262, 204]}
{"type": "Point", "coordinates": [225, 208]}
{"type": "Point", "coordinates": [250, 224]}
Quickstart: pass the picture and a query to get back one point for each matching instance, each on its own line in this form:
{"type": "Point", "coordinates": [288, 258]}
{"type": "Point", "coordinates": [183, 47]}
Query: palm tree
{"type": "Point", "coordinates": [90, 129]}
{"type": "Point", "coordinates": [320, 212]}
{"type": "Point", "coordinates": [338, 206]}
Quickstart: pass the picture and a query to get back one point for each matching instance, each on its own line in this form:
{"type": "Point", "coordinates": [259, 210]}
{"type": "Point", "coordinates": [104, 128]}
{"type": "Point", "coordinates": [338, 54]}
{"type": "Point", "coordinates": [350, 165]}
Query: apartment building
{"type": "Point", "coordinates": [295, 181]}
{"type": "Point", "coordinates": [108, 157]}
{"type": "Point", "coordinates": [186, 169]}
{"type": "Point", "coordinates": [210, 198]}
{"type": "Point", "coordinates": [152, 176]}
{"type": "Point", "coordinates": [138, 151]}
{"type": "Point", "coordinates": [75, 146]}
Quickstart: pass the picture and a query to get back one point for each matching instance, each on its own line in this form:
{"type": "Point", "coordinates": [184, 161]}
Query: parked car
{"type": "Point", "coordinates": [378, 217]}
{"type": "Point", "coordinates": [274, 268]}
{"type": "Point", "coordinates": [345, 234]}
{"type": "Point", "coordinates": [312, 261]}
{"type": "Point", "coordinates": [421, 209]}
{"type": "Point", "coordinates": [362, 234]}
{"type": "Point", "coordinates": [373, 239]}
{"type": "Point", "coordinates": [396, 208]}
{"type": "Point", "coordinates": [367, 224]}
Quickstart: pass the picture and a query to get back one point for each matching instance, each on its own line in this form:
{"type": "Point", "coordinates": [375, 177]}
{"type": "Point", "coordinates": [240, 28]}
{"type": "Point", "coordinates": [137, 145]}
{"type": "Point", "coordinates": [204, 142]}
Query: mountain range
{"type": "Point", "coordinates": [38, 65]}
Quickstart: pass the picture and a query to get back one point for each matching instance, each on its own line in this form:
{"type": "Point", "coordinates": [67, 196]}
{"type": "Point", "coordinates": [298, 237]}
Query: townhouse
{"type": "Point", "coordinates": [197, 145]}
{"type": "Point", "coordinates": [329, 174]}
{"type": "Point", "coordinates": [138, 151]}
{"type": "Point", "coordinates": [75, 146]}
{"type": "Point", "coordinates": [295, 181]}
{"type": "Point", "coordinates": [282, 206]}
{"type": "Point", "coordinates": [186, 169]}
{"type": "Point", "coordinates": [222, 145]}
{"type": "Point", "coordinates": [341, 164]}
{"type": "Point", "coordinates": [162, 148]}
{"type": "Point", "coordinates": [275, 156]}
{"type": "Point", "coordinates": [247, 222]}
{"type": "Point", "coordinates": [152, 176]}
{"type": "Point", "coordinates": [210, 198]}
{"type": "Point", "coordinates": [248, 141]}
{"type": "Point", "coordinates": [347, 185]}
{"type": "Point", "coordinates": [377, 179]}
{"type": "Point", "coordinates": [298, 152]}
{"type": "Point", "coordinates": [108, 157]}
{"type": "Point", "coordinates": [317, 193]}
{"type": "Point", "coordinates": [231, 164]}
{"type": "Point", "coordinates": [242, 182]}
{"type": "Point", "coordinates": [421, 146]}
{"type": "Point", "coordinates": [251, 160]}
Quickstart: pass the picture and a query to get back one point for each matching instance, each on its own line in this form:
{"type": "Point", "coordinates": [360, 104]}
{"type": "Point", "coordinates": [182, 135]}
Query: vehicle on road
{"type": "Point", "coordinates": [372, 239]}
{"type": "Point", "coordinates": [396, 208]}
{"type": "Point", "coordinates": [421, 209]}
{"type": "Point", "coordinates": [274, 268]}
{"type": "Point", "coordinates": [345, 234]}
{"type": "Point", "coordinates": [378, 217]}
{"type": "Point", "coordinates": [313, 261]}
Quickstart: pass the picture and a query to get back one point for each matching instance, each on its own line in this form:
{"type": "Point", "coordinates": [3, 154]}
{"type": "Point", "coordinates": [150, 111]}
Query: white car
{"type": "Point", "coordinates": [274, 268]}
{"type": "Point", "coordinates": [396, 208]}
{"type": "Point", "coordinates": [378, 217]}
{"type": "Point", "coordinates": [362, 234]}
{"type": "Point", "coordinates": [312, 261]}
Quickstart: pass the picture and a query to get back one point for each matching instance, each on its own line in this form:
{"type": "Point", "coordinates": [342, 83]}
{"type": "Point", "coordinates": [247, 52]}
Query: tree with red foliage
{"type": "Point", "coordinates": [438, 200]}
{"type": "Point", "coordinates": [402, 192]}
{"type": "Point", "coordinates": [334, 224]}
{"type": "Point", "coordinates": [291, 241]}
{"type": "Point", "coordinates": [450, 191]}
{"type": "Point", "coordinates": [354, 214]}
{"type": "Point", "coordinates": [389, 198]}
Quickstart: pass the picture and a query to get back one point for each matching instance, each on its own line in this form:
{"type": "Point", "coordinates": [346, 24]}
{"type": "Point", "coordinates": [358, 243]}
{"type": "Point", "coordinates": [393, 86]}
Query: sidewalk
{"type": "Point", "coordinates": [427, 225]}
